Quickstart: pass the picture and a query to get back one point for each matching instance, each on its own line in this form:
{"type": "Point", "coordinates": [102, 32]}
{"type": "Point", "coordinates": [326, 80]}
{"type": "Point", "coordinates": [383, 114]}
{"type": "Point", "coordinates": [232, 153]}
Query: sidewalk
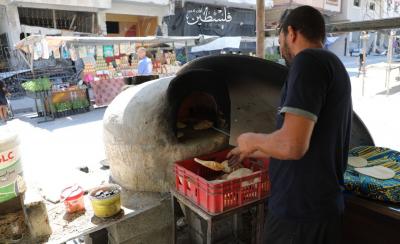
{"type": "Point", "coordinates": [378, 111]}
{"type": "Point", "coordinates": [53, 151]}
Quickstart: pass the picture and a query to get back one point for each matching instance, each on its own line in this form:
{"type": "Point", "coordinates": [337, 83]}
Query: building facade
{"type": "Point", "coordinates": [327, 7]}
{"type": "Point", "coordinates": [19, 18]}
{"type": "Point", "coordinates": [361, 10]}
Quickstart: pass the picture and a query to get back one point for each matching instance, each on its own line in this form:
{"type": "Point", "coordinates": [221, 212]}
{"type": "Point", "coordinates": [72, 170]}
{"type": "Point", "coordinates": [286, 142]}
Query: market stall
{"type": "Point", "coordinates": [57, 100]}
{"type": "Point", "coordinates": [106, 64]}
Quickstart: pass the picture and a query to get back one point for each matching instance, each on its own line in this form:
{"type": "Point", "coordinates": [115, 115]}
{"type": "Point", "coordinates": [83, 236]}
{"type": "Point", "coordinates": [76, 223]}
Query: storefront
{"type": "Point", "coordinates": [102, 64]}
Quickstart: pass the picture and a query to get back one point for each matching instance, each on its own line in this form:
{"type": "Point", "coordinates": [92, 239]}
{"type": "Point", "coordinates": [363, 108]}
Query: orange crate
{"type": "Point", "coordinates": [192, 180]}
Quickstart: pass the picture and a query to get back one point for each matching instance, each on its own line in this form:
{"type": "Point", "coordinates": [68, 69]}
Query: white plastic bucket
{"type": "Point", "coordinates": [11, 181]}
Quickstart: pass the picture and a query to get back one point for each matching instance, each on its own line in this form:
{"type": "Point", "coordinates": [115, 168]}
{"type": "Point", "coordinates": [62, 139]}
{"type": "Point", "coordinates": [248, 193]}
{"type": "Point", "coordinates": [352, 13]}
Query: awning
{"type": "Point", "coordinates": [54, 41]}
{"type": "Point", "coordinates": [6, 75]}
{"type": "Point", "coordinates": [219, 44]}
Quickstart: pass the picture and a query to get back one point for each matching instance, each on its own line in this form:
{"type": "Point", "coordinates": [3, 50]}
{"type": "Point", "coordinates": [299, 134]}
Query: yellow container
{"type": "Point", "coordinates": [106, 206]}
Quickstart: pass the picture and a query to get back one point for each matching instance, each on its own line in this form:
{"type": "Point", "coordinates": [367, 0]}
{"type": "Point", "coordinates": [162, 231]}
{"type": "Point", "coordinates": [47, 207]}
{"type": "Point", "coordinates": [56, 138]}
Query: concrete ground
{"type": "Point", "coordinates": [377, 108]}
{"type": "Point", "coordinates": [52, 151]}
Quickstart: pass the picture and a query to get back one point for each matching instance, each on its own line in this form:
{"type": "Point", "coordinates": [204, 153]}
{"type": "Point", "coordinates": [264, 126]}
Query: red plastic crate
{"type": "Point", "coordinates": [192, 181]}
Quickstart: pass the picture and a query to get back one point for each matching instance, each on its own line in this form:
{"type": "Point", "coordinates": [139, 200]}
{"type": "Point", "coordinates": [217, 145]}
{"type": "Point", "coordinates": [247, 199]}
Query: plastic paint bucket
{"type": "Point", "coordinates": [11, 181]}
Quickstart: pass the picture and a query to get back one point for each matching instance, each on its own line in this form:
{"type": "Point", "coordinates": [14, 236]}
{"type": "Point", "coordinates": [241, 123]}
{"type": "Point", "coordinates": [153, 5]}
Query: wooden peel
{"type": "Point", "coordinates": [214, 165]}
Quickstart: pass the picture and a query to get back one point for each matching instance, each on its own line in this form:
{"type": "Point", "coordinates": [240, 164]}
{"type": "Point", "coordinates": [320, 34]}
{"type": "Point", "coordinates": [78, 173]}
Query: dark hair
{"type": "Point", "coordinates": [305, 19]}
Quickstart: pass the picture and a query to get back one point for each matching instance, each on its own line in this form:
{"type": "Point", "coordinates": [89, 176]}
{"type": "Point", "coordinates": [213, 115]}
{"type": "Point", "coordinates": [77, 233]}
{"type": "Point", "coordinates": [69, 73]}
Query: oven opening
{"type": "Point", "coordinates": [200, 116]}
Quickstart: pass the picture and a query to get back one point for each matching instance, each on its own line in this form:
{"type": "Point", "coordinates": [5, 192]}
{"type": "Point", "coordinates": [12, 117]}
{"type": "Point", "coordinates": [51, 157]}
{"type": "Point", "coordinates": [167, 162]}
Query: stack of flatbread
{"type": "Point", "coordinates": [378, 172]}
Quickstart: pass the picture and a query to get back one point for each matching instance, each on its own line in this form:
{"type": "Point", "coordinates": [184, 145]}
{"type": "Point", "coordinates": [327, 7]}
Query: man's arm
{"type": "Point", "coordinates": [291, 142]}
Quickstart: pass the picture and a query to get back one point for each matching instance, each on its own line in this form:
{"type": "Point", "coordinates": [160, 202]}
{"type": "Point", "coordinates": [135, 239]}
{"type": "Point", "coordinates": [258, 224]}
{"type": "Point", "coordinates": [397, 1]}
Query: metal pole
{"type": "Point", "coordinates": [389, 60]}
{"type": "Point", "coordinates": [260, 28]}
{"type": "Point", "coordinates": [54, 19]}
{"type": "Point", "coordinates": [72, 22]}
{"type": "Point", "coordinates": [365, 38]}
{"type": "Point", "coordinates": [93, 26]}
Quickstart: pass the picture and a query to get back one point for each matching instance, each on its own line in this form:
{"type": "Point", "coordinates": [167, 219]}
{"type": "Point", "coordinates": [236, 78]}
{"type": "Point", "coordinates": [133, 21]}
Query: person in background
{"type": "Point", "coordinates": [145, 66]}
{"type": "Point", "coordinates": [360, 63]}
{"type": "Point", "coordinates": [3, 103]}
{"type": "Point", "coordinates": [310, 147]}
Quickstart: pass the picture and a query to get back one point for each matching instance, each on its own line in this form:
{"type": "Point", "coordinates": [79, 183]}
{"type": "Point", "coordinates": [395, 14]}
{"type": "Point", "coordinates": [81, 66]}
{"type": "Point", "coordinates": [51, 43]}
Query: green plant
{"type": "Point", "coordinates": [63, 106]}
{"type": "Point", "coordinates": [80, 103]}
{"type": "Point", "coordinates": [37, 85]}
{"type": "Point", "coordinates": [85, 103]}
{"type": "Point", "coordinates": [77, 104]}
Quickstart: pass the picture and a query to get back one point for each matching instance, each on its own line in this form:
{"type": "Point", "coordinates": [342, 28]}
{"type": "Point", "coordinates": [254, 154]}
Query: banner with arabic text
{"type": "Point", "coordinates": [196, 19]}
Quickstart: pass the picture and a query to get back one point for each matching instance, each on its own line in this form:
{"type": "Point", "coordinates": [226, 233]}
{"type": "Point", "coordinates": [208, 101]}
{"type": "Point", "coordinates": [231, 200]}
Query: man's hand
{"type": "Point", "coordinates": [291, 142]}
{"type": "Point", "coordinates": [246, 147]}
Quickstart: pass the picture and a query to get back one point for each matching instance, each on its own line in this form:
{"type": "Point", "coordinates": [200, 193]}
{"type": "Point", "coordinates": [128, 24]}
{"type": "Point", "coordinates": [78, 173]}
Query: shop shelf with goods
{"type": "Point", "coordinates": [108, 63]}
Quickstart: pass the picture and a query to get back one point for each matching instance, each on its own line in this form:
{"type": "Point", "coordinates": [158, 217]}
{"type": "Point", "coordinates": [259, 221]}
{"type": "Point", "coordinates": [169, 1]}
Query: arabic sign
{"type": "Point", "coordinates": [204, 14]}
{"type": "Point", "coordinates": [201, 19]}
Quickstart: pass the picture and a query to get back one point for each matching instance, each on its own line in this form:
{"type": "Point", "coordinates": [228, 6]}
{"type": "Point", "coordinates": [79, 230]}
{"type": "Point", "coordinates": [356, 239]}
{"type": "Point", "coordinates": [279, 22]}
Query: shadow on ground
{"type": "Point", "coordinates": [392, 91]}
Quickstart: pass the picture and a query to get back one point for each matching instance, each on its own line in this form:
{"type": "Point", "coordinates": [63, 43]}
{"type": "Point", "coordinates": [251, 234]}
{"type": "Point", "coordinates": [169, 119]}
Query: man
{"type": "Point", "coordinates": [309, 148]}
{"type": "Point", "coordinates": [145, 66]}
{"type": "Point", "coordinates": [3, 103]}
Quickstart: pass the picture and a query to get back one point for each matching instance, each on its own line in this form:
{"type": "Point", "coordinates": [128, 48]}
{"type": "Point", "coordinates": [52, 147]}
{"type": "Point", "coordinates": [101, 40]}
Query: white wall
{"type": "Point", "coordinates": [352, 13]}
{"type": "Point", "coordinates": [3, 20]}
{"type": "Point", "coordinates": [246, 4]}
{"type": "Point", "coordinates": [138, 9]}
{"type": "Point", "coordinates": [72, 3]}
{"type": "Point", "coordinates": [159, 2]}
{"type": "Point", "coordinates": [13, 26]}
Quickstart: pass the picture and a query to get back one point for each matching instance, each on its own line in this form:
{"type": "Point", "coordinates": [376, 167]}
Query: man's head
{"type": "Point", "coordinates": [141, 52]}
{"type": "Point", "coordinates": [300, 28]}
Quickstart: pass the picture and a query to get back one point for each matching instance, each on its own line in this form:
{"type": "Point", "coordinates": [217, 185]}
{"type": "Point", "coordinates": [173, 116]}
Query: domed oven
{"type": "Point", "coordinates": [201, 110]}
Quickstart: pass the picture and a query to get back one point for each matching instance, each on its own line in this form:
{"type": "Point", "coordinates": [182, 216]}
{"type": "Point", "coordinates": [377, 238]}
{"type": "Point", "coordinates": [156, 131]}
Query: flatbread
{"type": "Point", "coordinates": [357, 162]}
{"type": "Point", "coordinates": [214, 165]}
{"type": "Point", "coordinates": [180, 125]}
{"type": "Point", "coordinates": [378, 172]}
{"type": "Point", "coordinates": [242, 172]}
{"type": "Point", "coordinates": [203, 125]}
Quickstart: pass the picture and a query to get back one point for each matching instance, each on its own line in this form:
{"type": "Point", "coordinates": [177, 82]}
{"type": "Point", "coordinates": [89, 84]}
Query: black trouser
{"type": "Point", "coordinates": [279, 231]}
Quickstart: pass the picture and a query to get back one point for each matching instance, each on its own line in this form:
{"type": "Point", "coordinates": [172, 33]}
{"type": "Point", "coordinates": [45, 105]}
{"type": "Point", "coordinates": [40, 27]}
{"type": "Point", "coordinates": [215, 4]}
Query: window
{"type": "Point", "coordinates": [60, 19]}
{"type": "Point", "coordinates": [356, 3]}
{"type": "Point", "coordinates": [112, 27]}
{"type": "Point", "coordinates": [372, 6]}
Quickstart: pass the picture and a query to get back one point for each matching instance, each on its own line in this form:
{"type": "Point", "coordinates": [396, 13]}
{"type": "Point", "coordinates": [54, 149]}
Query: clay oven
{"type": "Point", "coordinates": [150, 126]}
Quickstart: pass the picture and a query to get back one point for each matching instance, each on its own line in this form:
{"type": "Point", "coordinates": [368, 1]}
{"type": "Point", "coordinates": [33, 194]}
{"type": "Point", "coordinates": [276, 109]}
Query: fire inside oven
{"type": "Point", "coordinates": [201, 106]}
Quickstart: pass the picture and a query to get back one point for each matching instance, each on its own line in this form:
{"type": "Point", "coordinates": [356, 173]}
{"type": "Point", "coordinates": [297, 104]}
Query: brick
{"type": "Point", "coordinates": [36, 216]}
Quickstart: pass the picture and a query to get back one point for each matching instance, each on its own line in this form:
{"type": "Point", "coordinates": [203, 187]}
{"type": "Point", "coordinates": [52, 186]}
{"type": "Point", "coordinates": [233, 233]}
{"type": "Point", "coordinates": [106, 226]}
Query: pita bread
{"type": "Point", "coordinates": [242, 172]}
{"type": "Point", "coordinates": [378, 172]}
{"type": "Point", "coordinates": [214, 165]}
{"type": "Point", "coordinates": [203, 125]}
{"type": "Point", "coordinates": [357, 162]}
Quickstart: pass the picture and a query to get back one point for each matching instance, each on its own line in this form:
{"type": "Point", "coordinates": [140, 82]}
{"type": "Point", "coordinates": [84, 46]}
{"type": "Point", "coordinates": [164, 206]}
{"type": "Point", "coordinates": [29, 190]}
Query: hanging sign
{"type": "Point", "coordinates": [108, 51]}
